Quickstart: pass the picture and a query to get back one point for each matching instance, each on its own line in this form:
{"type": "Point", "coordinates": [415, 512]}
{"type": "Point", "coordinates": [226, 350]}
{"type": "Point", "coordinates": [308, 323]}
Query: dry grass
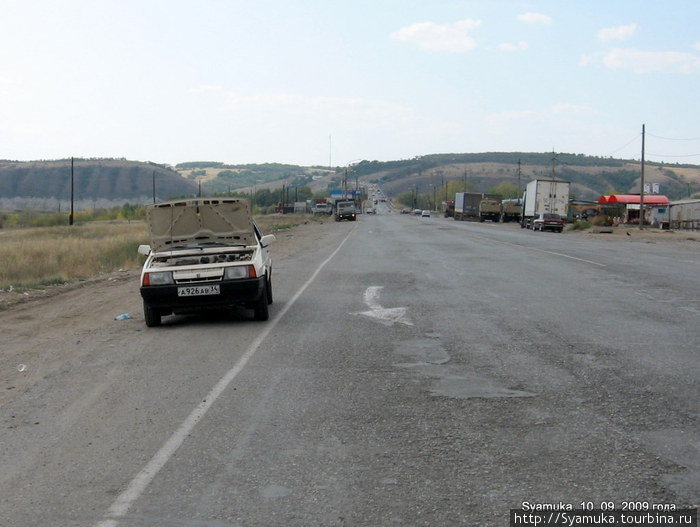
{"type": "Point", "coordinates": [35, 257]}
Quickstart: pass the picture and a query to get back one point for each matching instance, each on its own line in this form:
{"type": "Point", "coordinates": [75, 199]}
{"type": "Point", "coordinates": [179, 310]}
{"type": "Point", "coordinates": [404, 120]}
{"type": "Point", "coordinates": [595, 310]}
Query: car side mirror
{"type": "Point", "coordinates": [144, 249]}
{"type": "Point", "coordinates": [267, 240]}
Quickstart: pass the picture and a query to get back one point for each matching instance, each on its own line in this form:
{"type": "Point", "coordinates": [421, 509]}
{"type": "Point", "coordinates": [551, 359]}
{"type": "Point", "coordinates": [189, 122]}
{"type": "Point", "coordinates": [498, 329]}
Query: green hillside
{"type": "Point", "coordinates": [591, 176]}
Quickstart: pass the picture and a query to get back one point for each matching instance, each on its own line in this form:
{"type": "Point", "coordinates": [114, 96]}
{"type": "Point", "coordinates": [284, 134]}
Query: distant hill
{"type": "Point", "coordinates": [218, 177]}
{"type": "Point", "coordinates": [591, 176]}
{"type": "Point", "coordinates": [113, 182]}
{"type": "Point", "coordinates": [97, 183]}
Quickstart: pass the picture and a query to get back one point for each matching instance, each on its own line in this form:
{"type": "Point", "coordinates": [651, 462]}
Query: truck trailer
{"type": "Point", "coordinates": [542, 196]}
{"type": "Point", "coordinates": [467, 204]}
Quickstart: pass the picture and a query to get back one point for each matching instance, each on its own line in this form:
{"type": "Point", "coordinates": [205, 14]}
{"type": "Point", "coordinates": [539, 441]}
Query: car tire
{"type": "Point", "coordinates": [260, 308]}
{"type": "Point", "coordinates": [268, 290]}
{"type": "Point", "coordinates": [152, 316]}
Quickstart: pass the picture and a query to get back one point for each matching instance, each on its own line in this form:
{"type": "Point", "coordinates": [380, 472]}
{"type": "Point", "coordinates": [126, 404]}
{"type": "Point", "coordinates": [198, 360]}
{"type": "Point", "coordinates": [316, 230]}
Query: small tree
{"type": "Point", "coordinates": [506, 189]}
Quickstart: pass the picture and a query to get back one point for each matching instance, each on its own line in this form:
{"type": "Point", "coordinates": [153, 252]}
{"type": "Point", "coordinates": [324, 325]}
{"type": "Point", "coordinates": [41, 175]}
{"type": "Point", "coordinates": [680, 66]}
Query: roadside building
{"type": "Point", "coordinates": [684, 214]}
{"type": "Point", "coordinates": [655, 206]}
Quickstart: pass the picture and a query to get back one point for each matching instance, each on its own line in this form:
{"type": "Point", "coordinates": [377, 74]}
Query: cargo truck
{"type": "Point", "coordinates": [344, 210]}
{"type": "Point", "coordinates": [511, 209]}
{"type": "Point", "coordinates": [542, 196]}
{"type": "Point", "coordinates": [467, 204]}
{"type": "Point", "coordinates": [448, 208]}
{"type": "Point", "coordinates": [490, 209]}
{"type": "Point", "coordinates": [320, 208]}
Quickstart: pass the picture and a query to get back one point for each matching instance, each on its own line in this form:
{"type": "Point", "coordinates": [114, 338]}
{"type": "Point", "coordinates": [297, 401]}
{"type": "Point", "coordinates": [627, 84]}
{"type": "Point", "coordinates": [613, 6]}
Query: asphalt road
{"type": "Point", "coordinates": [414, 372]}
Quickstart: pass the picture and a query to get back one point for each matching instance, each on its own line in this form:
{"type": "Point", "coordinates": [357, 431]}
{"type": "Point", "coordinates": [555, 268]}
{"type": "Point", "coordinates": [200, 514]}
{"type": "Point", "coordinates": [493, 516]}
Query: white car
{"type": "Point", "coordinates": [204, 253]}
{"type": "Point", "coordinates": [425, 214]}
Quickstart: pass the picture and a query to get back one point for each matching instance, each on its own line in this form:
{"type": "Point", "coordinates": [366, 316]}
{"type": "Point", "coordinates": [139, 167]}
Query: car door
{"type": "Point", "coordinates": [265, 257]}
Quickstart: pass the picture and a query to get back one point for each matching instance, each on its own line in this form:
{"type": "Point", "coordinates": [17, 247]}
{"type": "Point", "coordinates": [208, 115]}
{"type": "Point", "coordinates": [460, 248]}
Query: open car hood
{"type": "Point", "coordinates": [190, 222]}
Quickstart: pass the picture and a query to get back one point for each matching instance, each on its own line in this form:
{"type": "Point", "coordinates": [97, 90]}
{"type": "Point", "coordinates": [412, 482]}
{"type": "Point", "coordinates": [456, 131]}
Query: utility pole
{"type": "Point", "coordinates": [641, 187]}
{"type": "Point", "coordinates": [199, 193]}
{"type": "Point", "coordinates": [70, 218]}
{"type": "Point", "coordinates": [519, 191]}
{"type": "Point", "coordinates": [465, 180]}
{"type": "Point", "coordinates": [154, 186]}
{"type": "Point", "coordinates": [554, 162]}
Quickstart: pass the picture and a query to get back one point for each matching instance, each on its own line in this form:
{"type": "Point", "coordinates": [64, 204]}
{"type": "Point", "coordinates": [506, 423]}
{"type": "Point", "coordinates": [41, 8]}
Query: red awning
{"type": "Point", "coordinates": [649, 199]}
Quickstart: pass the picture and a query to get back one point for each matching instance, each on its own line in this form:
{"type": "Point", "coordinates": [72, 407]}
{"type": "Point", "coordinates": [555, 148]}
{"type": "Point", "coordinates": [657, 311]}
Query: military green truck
{"type": "Point", "coordinates": [344, 210]}
{"type": "Point", "coordinates": [490, 209]}
{"type": "Point", "coordinates": [511, 209]}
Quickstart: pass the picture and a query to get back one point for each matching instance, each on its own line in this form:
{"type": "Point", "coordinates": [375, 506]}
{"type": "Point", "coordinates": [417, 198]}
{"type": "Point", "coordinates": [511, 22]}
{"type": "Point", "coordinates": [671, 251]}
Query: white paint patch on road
{"type": "Point", "coordinates": [138, 485]}
{"type": "Point", "coordinates": [386, 315]}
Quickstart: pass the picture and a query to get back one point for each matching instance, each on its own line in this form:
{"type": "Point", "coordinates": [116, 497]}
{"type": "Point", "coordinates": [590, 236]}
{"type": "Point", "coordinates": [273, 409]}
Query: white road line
{"type": "Point", "coordinates": [539, 250]}
{"type": "Point", "coordinates": [139, 484]}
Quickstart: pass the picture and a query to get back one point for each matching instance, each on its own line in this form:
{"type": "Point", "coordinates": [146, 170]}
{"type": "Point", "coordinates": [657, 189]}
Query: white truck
{"type": "Point", "coordinates": [544, 196]}
{"type": "Point", "coordinates": [320, 208]}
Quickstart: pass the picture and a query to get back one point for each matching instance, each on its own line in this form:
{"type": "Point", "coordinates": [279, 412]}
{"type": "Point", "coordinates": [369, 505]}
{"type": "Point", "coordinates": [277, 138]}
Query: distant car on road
{"type": "Point", "coordinates": [548, 222]}
{"type": "Point", "coordinates": [417, 212]}
{"type": "Point", "coordinates": [425, 214]}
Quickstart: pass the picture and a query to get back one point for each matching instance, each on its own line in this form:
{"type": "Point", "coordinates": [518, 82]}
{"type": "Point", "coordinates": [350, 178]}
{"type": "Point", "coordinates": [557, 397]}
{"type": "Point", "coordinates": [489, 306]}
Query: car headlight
{"type": "Point", "coordinates": [237, 272]}
{"type": "Point", "coordinates": [159, 278]}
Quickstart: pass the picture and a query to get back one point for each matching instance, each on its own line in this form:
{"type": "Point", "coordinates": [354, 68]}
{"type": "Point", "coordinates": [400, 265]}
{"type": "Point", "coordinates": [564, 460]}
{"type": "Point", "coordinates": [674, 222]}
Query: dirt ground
{"type": "Point", "coordinates": [49, 329]}
{"type": "Point", "coordinates": [632, 233]}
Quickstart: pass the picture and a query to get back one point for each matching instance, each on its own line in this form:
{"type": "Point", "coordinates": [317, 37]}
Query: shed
{"type": "Point", "coordinates": [685, 214]}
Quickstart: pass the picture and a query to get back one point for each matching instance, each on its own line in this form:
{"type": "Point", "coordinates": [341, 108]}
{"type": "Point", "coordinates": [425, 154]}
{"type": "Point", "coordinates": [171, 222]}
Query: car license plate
{"type": "Point", "coordinates": [198, 290]}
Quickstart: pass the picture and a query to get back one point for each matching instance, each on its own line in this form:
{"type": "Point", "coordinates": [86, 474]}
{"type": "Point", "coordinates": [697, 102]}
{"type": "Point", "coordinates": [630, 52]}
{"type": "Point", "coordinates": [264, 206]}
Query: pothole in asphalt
{"type": "Point", "coordinates": [427, 358]}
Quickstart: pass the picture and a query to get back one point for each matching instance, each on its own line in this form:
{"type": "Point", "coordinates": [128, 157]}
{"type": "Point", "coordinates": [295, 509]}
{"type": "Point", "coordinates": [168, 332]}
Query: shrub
{"type": "Point", "coordinates": [602, 220]}
{"type": "Point", "coordinates": [580, 225]}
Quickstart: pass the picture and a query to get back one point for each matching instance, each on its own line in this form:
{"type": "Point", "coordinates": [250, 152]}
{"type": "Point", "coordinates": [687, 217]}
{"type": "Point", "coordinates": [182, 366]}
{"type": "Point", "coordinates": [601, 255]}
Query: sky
{"type": "Point", "coordinates": [329, 82]}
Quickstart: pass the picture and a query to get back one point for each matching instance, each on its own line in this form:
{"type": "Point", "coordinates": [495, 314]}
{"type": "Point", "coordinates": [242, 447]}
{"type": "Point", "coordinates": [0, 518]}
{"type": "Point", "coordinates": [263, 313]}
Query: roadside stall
{"type": "Point", "coordinates": [655, 206]}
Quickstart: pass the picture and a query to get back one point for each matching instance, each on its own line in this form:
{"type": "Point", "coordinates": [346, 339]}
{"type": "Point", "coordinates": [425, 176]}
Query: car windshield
{"type": "Point", "coordinates": [551, 216]}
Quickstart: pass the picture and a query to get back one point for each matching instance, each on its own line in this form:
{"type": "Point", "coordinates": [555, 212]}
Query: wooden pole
{"type": "Point", "coordinates": [72, 189]}
{"type": "Point", "coordinates": [641, 187]}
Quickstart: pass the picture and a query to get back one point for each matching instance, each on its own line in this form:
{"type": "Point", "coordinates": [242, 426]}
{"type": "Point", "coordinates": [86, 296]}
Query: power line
{"type": "Point", "coordinates": [670, 155]}
{"type": "Point", "coordinates": [675, 138]}
{"type": "Point", "coordinates": [626, 145]}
